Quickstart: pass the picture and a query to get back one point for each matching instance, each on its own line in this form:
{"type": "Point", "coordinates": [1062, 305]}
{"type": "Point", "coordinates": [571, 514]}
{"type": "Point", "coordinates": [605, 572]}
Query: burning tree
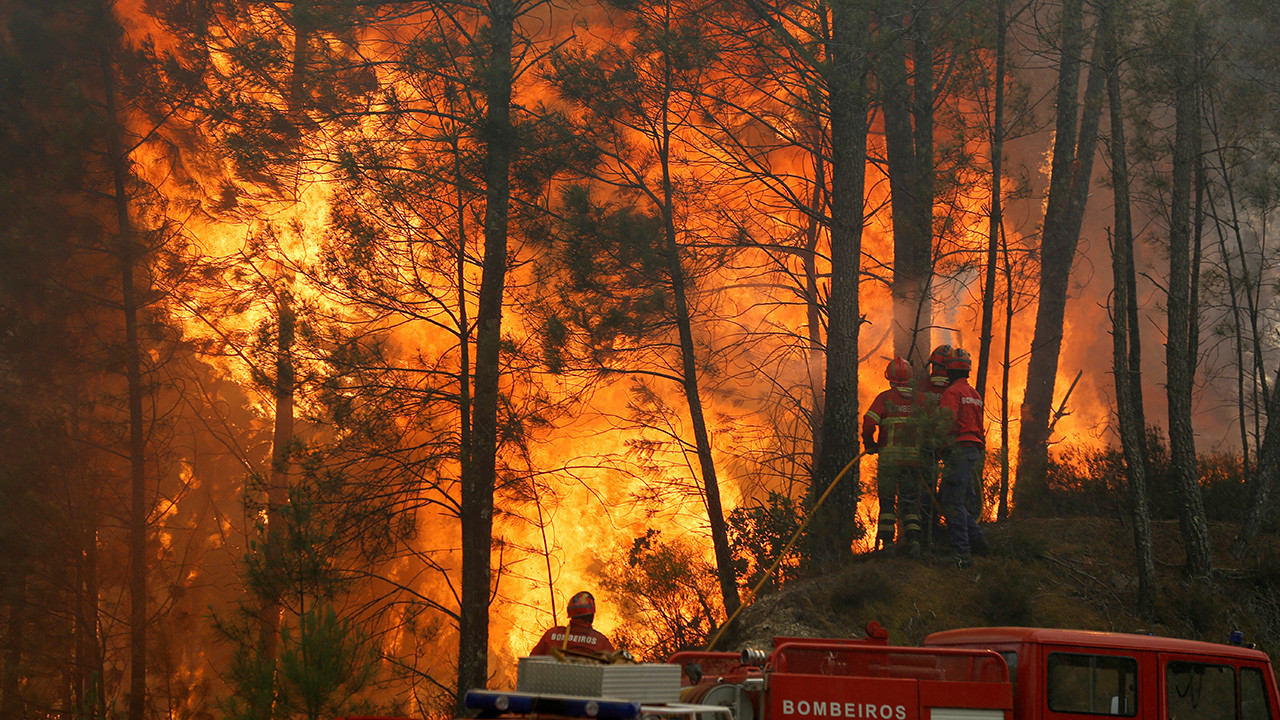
{"type": "Point", "coordinates": [334, 248]}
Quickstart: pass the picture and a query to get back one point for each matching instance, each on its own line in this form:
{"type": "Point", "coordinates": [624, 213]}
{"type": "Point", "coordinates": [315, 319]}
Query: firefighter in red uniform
{"type": "Point", "coordinates": [579, 636]}
{"type": "Point", "coordinates": [896, 414]}
{"type": "Point", "coordinates": [937, 431]}
{"type": "Point", "coordinates": [962, 461]}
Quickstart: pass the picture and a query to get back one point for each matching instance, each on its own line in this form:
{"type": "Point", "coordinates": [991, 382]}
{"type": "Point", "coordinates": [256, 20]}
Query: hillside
{"type": "Point", "coordinates": [1075, 573]}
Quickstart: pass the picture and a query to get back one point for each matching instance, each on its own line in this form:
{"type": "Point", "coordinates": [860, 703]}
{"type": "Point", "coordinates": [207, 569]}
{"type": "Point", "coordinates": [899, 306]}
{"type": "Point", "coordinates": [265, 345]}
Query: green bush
{"type": "Point", "coordinates": [860, 587]}
{"type": "Point", "coordinates": [1082, 481]}
{"type": "Point", "coordinates": [758, 535]}
{"type": "Point", "coordinates": [1010, 601]}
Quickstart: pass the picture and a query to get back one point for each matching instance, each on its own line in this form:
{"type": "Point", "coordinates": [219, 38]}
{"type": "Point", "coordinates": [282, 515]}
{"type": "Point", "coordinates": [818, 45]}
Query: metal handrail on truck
{"type": "Point", "coordinates": [496, 703]}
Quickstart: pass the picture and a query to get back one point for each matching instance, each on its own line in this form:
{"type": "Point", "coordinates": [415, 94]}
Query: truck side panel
{"type": "Point", "coordinates": [825, 697]}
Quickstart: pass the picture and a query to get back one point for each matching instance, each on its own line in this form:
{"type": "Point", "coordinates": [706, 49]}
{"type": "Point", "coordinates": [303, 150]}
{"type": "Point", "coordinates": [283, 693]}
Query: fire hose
{"type": "Point", "coordinates": [751, 596]}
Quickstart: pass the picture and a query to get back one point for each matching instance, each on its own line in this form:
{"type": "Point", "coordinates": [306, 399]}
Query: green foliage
{"type": "Point", "coordinates": [1085, 481]}
{"type": "Point", "coordinates": [248, 676]}
{"type": "Point", "coordinates": [1196, 606]}
{"type": "Point", "coordinates": [322, 666]}
{"type": "Point", "coordinates": [303, 564]}
{"type": "Point", "coordinates": [323, 660]}
{"type": "Point", "coordinates": [757, 536]}
{"type": "Point", "coordinates": [1018, 544]}
{"type": "Point", "coordinates": [666, 594]}
{"type": "Point", "coordinates": [862, 587]}
{"type": "Point", "coordinates": [1010, 601]}
{"type": "Point", "coordinates": [607, 275]}
{"type": "Point", "coordinates": [327, 663]}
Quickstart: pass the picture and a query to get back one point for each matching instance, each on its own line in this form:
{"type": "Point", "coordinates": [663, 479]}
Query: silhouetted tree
{"type": "Point", "coordinates": [635, 98]}
{"type": "Point", "coordinates": [1185, 38]}
{"type": "Point", "coordinates": [1075, 138]}
{"type": "Point", "coordinates": [1126, 335]}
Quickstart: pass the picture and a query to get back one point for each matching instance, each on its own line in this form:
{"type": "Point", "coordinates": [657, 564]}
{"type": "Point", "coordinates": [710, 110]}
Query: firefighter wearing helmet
{"type": "Point", "coordinates": [962, 461]}
{"type": "Point", "coordinates": [579, 636]}
{"type": "Point", "coordinates": [891, 429]}
{"type": "Point", "coordinates": [937, 429]}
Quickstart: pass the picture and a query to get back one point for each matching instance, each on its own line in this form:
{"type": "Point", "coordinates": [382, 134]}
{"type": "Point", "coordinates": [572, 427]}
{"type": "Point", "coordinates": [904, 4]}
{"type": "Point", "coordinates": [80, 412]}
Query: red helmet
{"type": "Point", "coordinates": [582, 604]}
{"type": "Point", "coordinates": [960, 360]}
{"type": "Point", "coordinates": [898, 372]}
{"type": "Point", "coordinates": [940, 355]}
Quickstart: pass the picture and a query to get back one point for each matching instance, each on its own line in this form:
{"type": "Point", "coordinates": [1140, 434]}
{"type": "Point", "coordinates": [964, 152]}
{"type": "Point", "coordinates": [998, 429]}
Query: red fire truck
{"type": "Point", "coordinates": [972, 674]}
{"type": "Point", "coordinates": [1077, 674]}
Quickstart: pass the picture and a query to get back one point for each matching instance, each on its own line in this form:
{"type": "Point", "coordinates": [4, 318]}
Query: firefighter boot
{"type": "Point", "coordinates": [885, 531]}
{"type": "Point", "coordinates": [910, 547]}
{"type": "Point", "coordinates": [913, 545]}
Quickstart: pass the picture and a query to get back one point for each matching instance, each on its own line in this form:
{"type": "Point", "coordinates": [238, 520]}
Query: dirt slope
{"type": "Point", "coordinates": [1076, 573]}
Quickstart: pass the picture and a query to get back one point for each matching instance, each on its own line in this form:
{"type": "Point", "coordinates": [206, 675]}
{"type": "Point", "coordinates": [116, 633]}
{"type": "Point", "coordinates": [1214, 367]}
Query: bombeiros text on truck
{"type": "Point", "coordinates": [1004, 673]}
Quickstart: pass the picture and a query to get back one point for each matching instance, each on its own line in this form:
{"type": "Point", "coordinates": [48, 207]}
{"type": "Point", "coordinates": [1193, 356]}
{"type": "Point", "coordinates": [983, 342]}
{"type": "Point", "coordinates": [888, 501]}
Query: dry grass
{"type": "Point", "coordinates": [1075, 572]}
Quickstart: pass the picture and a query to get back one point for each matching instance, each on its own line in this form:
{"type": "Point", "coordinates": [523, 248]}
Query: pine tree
{"type": "Point", "coordinates": [633, 100]}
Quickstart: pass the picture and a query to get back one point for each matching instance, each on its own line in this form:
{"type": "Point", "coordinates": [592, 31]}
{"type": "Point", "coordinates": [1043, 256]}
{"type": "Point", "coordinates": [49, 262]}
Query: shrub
{"type": "Point", "coordinates": [1010, 601]}
{"type": "Point", "coordinates": [1082, 481]}
{"type": "Point", "coordinates": [757, 536]}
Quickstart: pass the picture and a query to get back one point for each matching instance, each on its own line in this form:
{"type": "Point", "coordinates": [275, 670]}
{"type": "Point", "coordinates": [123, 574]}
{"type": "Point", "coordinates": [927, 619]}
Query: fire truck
{"type": "Point", "coordinates": [972, 674]}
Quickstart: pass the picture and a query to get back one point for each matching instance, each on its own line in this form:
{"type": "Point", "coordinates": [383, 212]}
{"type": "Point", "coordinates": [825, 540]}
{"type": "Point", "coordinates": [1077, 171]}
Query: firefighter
{"type": "Point", "coordinates": [895, 414]}
{"type": "Point", "coordinates": [936, 431]}
{"type": "Point", "coordinates": [962, 461]}
{"type": "Point", "coordinates": [579, 636]}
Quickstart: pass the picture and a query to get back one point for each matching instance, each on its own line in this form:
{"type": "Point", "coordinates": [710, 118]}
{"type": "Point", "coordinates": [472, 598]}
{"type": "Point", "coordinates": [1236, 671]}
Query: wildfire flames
{"type": "Point", "coordinates": [331, 183]}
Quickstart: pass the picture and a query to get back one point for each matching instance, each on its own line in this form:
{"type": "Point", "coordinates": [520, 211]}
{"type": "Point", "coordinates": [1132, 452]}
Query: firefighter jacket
{"type": "Point", "coordinates": [965, 407]}
{"type": "Point", "coordinates": [581, 637]}
{"type": "Point", "coordinates": [897, 416]}
{"type": "Point", "coordinates": [935, 423]}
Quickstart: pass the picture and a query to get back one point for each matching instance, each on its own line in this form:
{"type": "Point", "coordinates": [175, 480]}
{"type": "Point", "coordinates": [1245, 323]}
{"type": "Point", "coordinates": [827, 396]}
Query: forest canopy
{"type": "Point", "coordinates": [341, 341]}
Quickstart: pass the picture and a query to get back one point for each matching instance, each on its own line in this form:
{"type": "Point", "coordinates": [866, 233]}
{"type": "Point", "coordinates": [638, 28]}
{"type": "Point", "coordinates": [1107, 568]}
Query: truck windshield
{"type": "Point", "coordinates": [1200, 691]}
{"type": "Point", "coordinates": [1253, 695]}
{"type": "Point", "coordinates": [1195, 690]}
{"type": "Point", "coordinates": [1094, 684]}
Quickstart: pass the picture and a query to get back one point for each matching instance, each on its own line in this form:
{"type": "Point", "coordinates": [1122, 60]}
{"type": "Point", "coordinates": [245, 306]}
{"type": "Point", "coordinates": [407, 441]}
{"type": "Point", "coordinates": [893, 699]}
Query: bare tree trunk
{"type": "Point", "coordinates": [1128, 377]}
{"type": "Point", "coordinates": [1072, 170]}
{"type": "Point", "coordinates": [1237, 324]}
{"type": "Point", "coordinates": [908, 131]}
{"type": "Point", "coordinates": [688, 357]}
{"type": "Point", "coordinates": [132, 352]}
{"type": "Point", "coordinates": [282, 433]}
{"type": "Point", "coordinates": [1002, 513]}
{"type": "Point", "coordinates": [1268, 473]}
{"type": "Point", "coordinates": [1180, 345]}
{"type": "Point", "coordinates": [835, 525]}
{"type": "Point", "coordinates": [813, 309]}
{"type": "Point", "coordinates": [1250, 286]}
{"type": "Point", "coordinates": [997, 215]}
{"type": "Point", "coordinates": [277, 489]}
{"type": "Point", "coordinates": [702, 438]}
{"type": "Point", "coordinates": [479, 475]}
{"type": "Point", "coordinates": [88, 646]}
{"type": "Point", "coordinates": [1237, 291]}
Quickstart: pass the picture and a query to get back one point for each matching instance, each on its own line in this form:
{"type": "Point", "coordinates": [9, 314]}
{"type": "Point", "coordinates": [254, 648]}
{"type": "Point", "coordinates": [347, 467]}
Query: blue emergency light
{"type": "Point", "coordinates": [490, 703]}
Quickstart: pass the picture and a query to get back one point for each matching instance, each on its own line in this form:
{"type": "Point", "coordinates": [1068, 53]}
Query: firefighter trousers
{"type": "Point", "coordinates": [898, 487]}
{"type": "Point", "coordinates": [959, 493]}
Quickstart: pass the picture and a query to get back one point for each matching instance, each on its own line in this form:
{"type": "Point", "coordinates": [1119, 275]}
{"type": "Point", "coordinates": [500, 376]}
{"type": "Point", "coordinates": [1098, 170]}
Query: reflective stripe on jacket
{"type": "Point", "coordinates": [898, 419]}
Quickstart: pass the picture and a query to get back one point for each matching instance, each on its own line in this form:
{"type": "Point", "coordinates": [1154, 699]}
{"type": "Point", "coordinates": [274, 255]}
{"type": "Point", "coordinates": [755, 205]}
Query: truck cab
{"type": "Point", "coordinates": [1066, 674]}
{"type": "Point", "coordinates": [1003, 673]}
